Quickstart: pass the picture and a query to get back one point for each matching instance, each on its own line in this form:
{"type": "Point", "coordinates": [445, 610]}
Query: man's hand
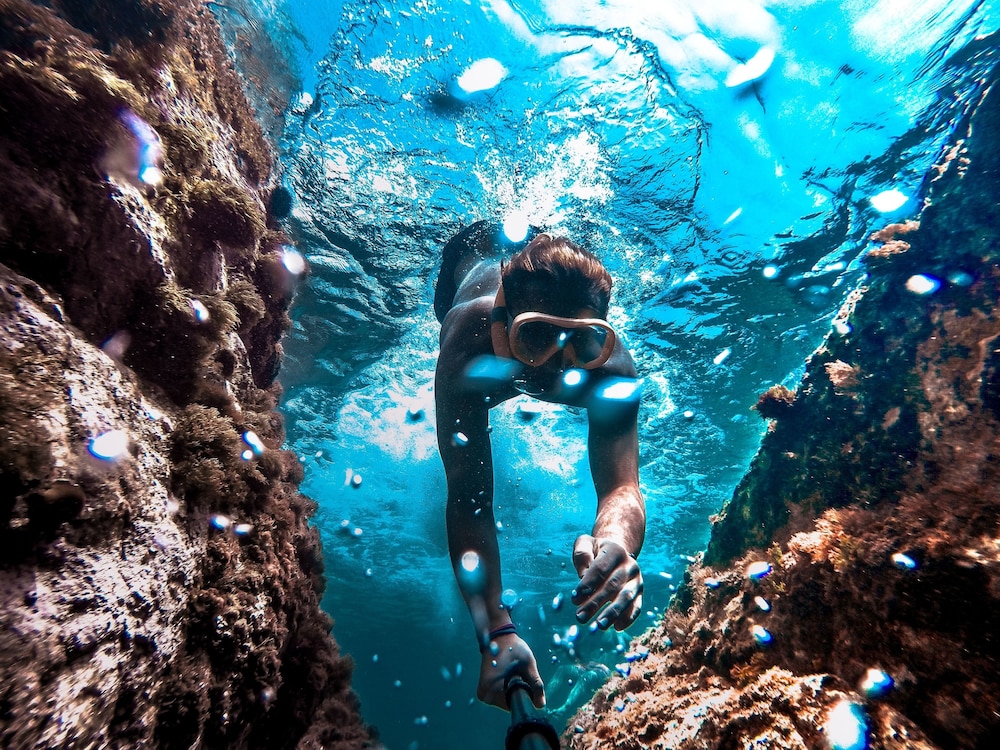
{"type": "Point", "coordinates": [608, 575]}
{"type": "Point", "coordinates": [512, 659]}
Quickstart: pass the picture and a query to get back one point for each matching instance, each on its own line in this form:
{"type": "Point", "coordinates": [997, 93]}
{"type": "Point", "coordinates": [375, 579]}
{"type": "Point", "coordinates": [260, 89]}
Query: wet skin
{"type": "Point", "coordinates": [610, 585]}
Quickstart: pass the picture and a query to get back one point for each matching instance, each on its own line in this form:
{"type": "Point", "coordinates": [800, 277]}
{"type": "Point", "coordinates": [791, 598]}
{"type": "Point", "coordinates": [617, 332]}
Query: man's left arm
{"type": "Point", "coordinates": [605, 559]}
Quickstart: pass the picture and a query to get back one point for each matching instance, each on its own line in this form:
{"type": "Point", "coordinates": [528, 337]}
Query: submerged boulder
{"type": "Point", "coordinates": [160, 580]}
{"type": "Point", "coordinates": [850, 592]}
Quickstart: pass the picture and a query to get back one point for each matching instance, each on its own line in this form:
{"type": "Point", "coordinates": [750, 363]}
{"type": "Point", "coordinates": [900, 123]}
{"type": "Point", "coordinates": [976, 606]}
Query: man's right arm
{"type": "Point", "coordinates": [464, 443]}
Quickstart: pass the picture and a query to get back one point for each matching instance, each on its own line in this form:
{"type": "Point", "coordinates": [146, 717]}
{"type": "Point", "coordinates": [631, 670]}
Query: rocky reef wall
{"type": "Point", "coordinates": [159, 581]}
{"type": "Point", "coordinates": [850, 593]}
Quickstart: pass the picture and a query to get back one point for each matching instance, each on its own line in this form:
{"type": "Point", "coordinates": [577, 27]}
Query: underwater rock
{"type": "Point", "coordinates": [160, 582]}
{"type": "Point", "coordinates": [873, 500]}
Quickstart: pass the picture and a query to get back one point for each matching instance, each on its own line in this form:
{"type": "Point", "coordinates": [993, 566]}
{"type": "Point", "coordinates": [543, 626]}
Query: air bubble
{"type": "Point", "coordinates": [482, 75]}
{"type": "Point", "coordinates": [888, 200]}
{"type": "Point", "coordinates": [762, 604]}
{"type": "Point", "coordinates": [256, 444]}
{"type": "Point", "coordinates": [516, 225]}
{"type": "Point", "coordinates": [199, 310]}
{"type": "Point", "coordinates": [459, 440]}
{"type": "Point", "coordinates": [846, 727]}
{"type": "Point", "coordinates": [761, 634]}
{"type": "Point", "coordinates": [904, 561]}
{"type": "Point", "coordinates": [960, 278]}
{"type": "Point", "coordinates": [509, 598]}
{"type": "Point", "coordinates": [759, 569]}
{"type": "Point", "coordinates": [110, 445]}
{"type": "Point", "coordinates": [487, 372]}
{"type": "Point", "coordinates": [876, 683]}
{"type": "Point", "coordinates": [923, 284]}
{"type": "Point", "coordinates": [293, 261]}
{"type": "Point", "coordinates": [242, 529]}
{"type": "Point", "coordinates": [221, 522]}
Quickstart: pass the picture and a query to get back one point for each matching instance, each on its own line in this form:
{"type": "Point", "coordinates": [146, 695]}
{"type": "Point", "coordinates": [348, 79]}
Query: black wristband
{"type": "Point", "coordinates": [505, 629]}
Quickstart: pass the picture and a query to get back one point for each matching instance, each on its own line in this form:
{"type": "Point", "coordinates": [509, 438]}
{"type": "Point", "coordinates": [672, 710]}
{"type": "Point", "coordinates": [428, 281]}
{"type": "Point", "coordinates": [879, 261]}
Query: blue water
{"type": "Point", "coordinates": [732, 218]}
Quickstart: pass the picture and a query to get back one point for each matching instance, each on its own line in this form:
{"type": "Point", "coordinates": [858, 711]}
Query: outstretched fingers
{"type": "Point", "coordinates": [583, 553]}
{"type": "Point", "coordinates": [625, 609]}
{"type": "Point", "coordinates": [613, 579]}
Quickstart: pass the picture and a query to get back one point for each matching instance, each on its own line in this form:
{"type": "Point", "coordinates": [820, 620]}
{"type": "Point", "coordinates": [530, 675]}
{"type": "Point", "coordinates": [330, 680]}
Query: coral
{"type": "Point", "coordinates": [775, 402]}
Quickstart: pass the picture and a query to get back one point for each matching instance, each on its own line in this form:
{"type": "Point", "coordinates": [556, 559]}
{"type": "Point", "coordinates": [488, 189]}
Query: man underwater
{"type": "Point", "coordinates": [536, 325]}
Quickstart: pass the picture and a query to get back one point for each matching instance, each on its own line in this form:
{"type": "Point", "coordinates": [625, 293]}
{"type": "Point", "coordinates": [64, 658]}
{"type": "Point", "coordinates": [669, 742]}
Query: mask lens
{"type": "Point", "coordinates": [588, 343]}
{"type": "Point", "coordinates": [537, 338]}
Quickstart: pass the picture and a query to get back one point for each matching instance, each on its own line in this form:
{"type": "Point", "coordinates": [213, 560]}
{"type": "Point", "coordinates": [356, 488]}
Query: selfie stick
{"type": "Point", "coordinates": [528, 730]}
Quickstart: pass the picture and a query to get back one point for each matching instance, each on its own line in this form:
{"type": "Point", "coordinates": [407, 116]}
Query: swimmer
{"type": "Point", "coordinates": [539, 316]}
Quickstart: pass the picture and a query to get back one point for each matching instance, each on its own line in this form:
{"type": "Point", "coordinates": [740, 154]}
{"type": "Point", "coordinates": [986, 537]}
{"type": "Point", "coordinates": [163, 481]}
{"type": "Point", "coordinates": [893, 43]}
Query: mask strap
{"type": "Point", "coordinates": [498, 326]}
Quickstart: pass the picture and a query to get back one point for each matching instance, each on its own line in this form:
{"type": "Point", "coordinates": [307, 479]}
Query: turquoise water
{"type": "Point", "coordinates": [726, 160]}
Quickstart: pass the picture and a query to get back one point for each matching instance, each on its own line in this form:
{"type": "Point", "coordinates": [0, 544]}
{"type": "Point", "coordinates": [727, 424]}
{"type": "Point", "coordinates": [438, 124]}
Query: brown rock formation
{"type": "Point", "coordinates": [166, 595]}
{"type": "Point", "coordinates": [874, 500]}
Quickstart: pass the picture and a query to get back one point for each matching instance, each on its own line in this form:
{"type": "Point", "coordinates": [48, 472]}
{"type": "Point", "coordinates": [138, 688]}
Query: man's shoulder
{"type": "Point", "coordinates": [465, 331]}
{"type": "Point", "coordinates": [468, 318]}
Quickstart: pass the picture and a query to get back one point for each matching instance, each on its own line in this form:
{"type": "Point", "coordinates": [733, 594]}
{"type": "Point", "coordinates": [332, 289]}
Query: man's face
{"type": "Point", "coordinates": [552, 336]}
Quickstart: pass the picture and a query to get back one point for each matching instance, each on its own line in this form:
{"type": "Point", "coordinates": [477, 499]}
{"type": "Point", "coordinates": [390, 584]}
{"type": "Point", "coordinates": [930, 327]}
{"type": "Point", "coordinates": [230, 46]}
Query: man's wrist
{"type": "Point", "coordinates": [621, 542]}
{"type": "Point", "coordinates": [507, 628]}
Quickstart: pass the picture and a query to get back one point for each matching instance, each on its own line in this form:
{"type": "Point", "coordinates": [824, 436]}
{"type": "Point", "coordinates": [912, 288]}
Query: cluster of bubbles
{"type": "Point", "coordinates": [346, 527]}
{"type": "Point", "coordinates": [223, 522]}
{"type": "Point", "coordinates": [925, 284]}
{"type": "Point", "coordinates": [255, 446]}
{"type": "Point", "coordinates": [756, 571]}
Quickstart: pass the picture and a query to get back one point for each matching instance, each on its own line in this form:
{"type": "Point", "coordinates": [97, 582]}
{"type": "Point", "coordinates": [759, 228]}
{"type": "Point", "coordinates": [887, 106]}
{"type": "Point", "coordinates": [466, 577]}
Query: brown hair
{"type": "Point", "coordinates": [559, 273]}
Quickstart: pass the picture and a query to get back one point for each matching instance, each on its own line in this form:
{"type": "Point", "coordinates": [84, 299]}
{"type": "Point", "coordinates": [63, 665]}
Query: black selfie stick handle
{"type": "Point", "coordinates": [528, 730]}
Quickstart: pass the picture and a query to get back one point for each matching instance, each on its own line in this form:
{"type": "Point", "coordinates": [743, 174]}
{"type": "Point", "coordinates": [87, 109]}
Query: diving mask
{"type": "Point", "coordinates": [534, 338]}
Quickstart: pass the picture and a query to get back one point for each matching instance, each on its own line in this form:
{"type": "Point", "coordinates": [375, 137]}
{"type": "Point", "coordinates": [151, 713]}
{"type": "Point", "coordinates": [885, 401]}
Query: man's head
{"type": "Point", "coordinates": [556, 276]}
